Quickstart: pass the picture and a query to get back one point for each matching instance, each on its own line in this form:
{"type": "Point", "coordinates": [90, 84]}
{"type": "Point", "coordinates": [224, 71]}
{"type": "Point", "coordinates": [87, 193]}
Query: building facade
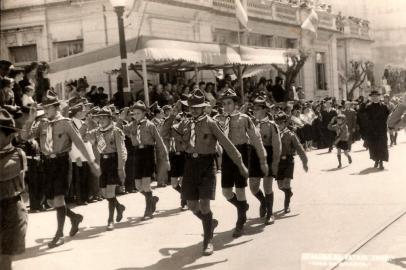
{"type": "Point", "coordinates": [51, 30]}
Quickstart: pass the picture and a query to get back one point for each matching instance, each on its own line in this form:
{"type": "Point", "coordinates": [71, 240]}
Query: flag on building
{"type": "Point", "coordinates": [241, 13]}
{"type": "Point", "coordinates": [311, 23]}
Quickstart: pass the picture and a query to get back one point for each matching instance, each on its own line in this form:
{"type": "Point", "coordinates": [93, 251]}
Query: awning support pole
{"type": "Point", "coordinates": [145, 77]}
{"type": "Point", "coordinates": [196, 74]}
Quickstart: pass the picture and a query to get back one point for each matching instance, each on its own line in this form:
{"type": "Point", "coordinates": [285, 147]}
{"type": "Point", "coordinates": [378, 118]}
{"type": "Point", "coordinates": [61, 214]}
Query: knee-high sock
{"type": "Point", "coordinates": [60, 217]}
{"type": "Point", "coordinates": [207, 226]}
{"type": "Point", "coordinates": [269, 202]}
{"type": "Point", "coordinates": [70, 213]}
{"type": "Point", "coordinates": [178, 189]}
{"type": "Point", "coordinates": [199, 215]}
{"type": "Point", "coordinates": [234, 200]}
{"type": "Point", "coordinates": [116, 203]}
{"type": "Point", "coordinates": [288, 192]}
{"type": "Point", "coordinates": [260, 196]}
{"type": "Point", "coordinates": [112, 207]}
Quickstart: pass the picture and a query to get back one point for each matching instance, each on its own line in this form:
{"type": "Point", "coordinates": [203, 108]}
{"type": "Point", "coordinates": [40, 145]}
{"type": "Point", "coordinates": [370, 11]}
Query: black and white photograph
{"type": "Point", "coordinates": [202, 134]}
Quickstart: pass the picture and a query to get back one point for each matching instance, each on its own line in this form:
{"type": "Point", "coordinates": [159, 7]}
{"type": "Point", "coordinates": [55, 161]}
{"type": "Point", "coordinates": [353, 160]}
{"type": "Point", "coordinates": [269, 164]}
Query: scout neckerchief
{"type": "Point", "coordinates": [193, 123]}
{"type": "Point", "coordinates": [262, 121]}
{"type": "Point", "coordinates": [101, 142]}
{"type": "Point", "coordinates": [227, 122]}
{"type": "Point", "coordinates": [138, 133]}
{"type": "Point", "coordinates": [284, 131]}
{"type": "Point", "coordinates": [49, 142]}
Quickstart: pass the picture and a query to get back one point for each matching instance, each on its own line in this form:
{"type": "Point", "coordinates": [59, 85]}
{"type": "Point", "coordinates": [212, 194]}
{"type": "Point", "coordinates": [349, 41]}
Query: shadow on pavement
{"type": "Point", "coordinates": [335, 169]}
{"type": "Point", "coordinates": [83, 234]}
{"type": "Point", "coordinates": [324, 153]}
{"type": "Point", "coordinates": [368, 171]}
{"type": "Point", "coordinates": [179, 258]}
{"type": "Point", "coordinates": [401, 262]}
{"type": "Point", "coordinates": [359, 151]}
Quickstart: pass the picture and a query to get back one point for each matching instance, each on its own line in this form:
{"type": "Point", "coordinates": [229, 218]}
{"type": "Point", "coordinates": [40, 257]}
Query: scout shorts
{"type": "Point", "coordinates": [57, 172]}
{"type": "Point", "coordinates": [177, 160]}
{"type": "Point", "coordinates": [286, 168]}
{"type": "Point", "coordinates": [230, 173]}
{"type": "Point", "coordinates": [13, 226]}
{"type": "Point", "coordinates": [144, 161]}
{"type": "Point", "coordinates": [109, 170]}
{"type": "Point", "coordinates": [255, 165]}
{"type": "Point", "coordinates": [199, 178]}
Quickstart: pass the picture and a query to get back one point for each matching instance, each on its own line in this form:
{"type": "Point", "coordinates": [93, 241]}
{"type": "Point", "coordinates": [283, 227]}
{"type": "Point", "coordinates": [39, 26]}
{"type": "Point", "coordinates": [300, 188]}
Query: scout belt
{"type": "Point", "coordinates": [197, 155]}
{"type": "Point", "coordinates": [53, 156]}
{"type": "Point", "coordinates": [108, 155]}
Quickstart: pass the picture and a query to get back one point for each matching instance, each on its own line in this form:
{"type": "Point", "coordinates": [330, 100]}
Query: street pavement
{"type": "Point", "coordinates": [334, 213]}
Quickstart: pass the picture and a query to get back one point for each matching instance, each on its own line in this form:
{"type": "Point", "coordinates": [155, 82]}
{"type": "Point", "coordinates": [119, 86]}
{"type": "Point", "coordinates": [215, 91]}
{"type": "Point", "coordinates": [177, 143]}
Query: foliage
{"type": "Point", "coordinates": [359, 71]}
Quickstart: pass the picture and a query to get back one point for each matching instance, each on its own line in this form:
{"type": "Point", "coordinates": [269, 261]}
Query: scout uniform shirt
{"type": "Point", "coordinates": [291, 145]}
{"type": "Point", "coordinates": [270, 137]}
{"type": "Point", "coordinates": [108, 140]}
{"type": "Point", "coordinates": [55, 136]}
{"type": "Point", "coordinates": [240, 129]}
{"type": "Point", "coordinates": [341, 130]}
{"type": "Point", "coordinates": [13, 164]}
{"type": "Point", "coordinates": [173, 140]}
{"type": "Point", "coordinates": [144, 133]}
{"type": "Point", "coordinates": [200, 137]}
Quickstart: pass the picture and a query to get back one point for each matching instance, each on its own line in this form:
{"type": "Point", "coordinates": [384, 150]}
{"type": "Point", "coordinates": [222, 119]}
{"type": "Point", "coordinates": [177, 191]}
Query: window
{"type": "Point", "coordinates": [26, 53]}
{"type": "Point", "coordinates": [225, 36]}
{"type": "Point", "coordinates": [267, 41]}
{"type": "Point", "coordinates": [321, 79]}
{"type": "Point", "coordinates": [291, 43]}
{"type": "Point", "coordinates": [66, 48]}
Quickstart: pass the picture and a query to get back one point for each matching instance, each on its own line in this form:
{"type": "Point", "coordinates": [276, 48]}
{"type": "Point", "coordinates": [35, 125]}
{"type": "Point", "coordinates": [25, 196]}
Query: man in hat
{"type": "Point", "coordinates": [328, 113]}
{"type": "Point", "coordinates": [13, 215]}
{"type": "Point", "coordinates": [56, 134]}
{"type": "Point", "coordinates": [278, 93]}
{"type": "Point", "coordinates": [271, 139]}
{"type": "Point", "coordinates": [200, 134]}
{"type": "Point", "coordinates": [145, 138]}
{"type": "Point", "coordinates": [239, 128]}
{"type": "Point", "coordinates": [393, 134]}
{"type": "Point", "coordinates": [110, 145]}
{"type": "Point", "coordinates": [5, 67]}
{"type": "Point", "coordinates": [397, 119]}
{"type": "Point", "coordinates": [351, 121]}
{"type": "Point", "coordinates": [377, 116]}
{"type": "Point", "coordinates": [290, 147]}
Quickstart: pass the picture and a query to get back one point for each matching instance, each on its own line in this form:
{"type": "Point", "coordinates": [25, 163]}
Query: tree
{"type": "Point", "coordinates": [358, 72]}
{"type": "Point", "coordinates": [295, 62]}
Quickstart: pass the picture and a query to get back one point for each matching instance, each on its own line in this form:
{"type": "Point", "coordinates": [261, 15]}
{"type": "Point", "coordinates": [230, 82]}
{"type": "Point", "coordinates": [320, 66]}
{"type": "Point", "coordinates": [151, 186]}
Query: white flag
{"type": "Point", "coordinates": [311, 23]}
{"type": "Point", "coordinates": [241, 14]}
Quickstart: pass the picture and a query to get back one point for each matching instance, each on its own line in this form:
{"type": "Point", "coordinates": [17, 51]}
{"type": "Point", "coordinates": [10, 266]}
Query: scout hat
{"type": "Point", "coordinates": [7, 121]}
{"type": "Point", "coordinates": [105, 111]}
{"type": "Point", "coordinates": [167, 107]}
{"type": "Point", "coordinates": [184, 98]}
{"type": "Point", "coordinates": [261, 101]}
{"type": "Point", "coordinates": [374, 93]}
{"type": "Point", "coordinates": [341, 116]}
{"type": "Point", "coordinates": [51, 98]}
{"type": "Point", "coordinates": [196, 99]}
{"type": "Point", "coordinates": [281, 117]}
{"type": "Point", "coordinates": [229, 94]}
{"type": "Point", "coordinates": [139, 105]}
